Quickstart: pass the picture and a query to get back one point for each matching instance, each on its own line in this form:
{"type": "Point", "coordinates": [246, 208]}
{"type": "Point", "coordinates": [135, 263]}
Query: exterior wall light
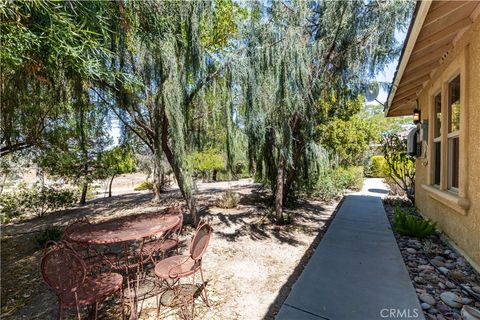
{"type": "Point", "coordinates": [417, 115]}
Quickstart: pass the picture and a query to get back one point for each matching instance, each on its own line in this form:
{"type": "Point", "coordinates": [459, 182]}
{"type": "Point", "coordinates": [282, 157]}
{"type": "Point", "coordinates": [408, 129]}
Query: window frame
{"type": "Point", "coordinates": [458, 200]}
{"type": "Point", "coordinates": [437, 139]}
{"type": "Point", "coordinates": [452, 135]}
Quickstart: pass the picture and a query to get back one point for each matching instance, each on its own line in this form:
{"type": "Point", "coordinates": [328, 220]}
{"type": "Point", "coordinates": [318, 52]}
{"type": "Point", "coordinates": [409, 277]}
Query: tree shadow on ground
{"type": "Point", "coordinates": [105, 206]}
{"type": "Point", "coordinates": [257, 223]}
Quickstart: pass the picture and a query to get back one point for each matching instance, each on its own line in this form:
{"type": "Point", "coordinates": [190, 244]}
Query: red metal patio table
{"type": "Point", "coordinates": [122, 230]}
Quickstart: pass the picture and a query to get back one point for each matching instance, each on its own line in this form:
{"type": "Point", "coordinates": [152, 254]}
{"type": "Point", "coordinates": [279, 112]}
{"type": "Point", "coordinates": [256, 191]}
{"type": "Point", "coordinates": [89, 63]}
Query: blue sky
{"type": "Point", "coordinates": [389, 71]}
{"type": "Point", "coordinates": [386, 76]}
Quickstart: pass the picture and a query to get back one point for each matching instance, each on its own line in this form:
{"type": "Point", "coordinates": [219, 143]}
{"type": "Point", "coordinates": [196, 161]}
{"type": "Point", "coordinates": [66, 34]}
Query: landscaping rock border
{"type": "Point", "coordinates": [443, 279]}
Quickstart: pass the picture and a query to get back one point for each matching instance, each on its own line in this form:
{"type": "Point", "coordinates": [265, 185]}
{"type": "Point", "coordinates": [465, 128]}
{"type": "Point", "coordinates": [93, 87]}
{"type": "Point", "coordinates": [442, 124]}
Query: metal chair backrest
{"type": "Point", "coordinates": [175, 210]}
{"type": "Point", "coordinates": [62, 269]}
{"type": "Point", "coordinates": [200, 240]}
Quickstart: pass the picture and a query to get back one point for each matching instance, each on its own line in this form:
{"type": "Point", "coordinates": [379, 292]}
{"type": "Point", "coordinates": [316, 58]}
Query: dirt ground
{"type": "Point", "coordinates": [250, 264]}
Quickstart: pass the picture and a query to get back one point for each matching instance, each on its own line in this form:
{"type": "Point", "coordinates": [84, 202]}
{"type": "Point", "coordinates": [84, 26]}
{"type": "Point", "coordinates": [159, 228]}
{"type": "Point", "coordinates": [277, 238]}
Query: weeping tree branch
{"type": "Point", "coordinates": [204, 81]}
{"type": "Point", "coordinates": [149, 144]}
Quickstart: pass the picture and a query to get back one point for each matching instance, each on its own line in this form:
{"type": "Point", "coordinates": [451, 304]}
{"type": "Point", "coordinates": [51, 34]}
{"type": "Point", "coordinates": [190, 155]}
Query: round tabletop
{"type": "Point", "coordinates": [124, 229]}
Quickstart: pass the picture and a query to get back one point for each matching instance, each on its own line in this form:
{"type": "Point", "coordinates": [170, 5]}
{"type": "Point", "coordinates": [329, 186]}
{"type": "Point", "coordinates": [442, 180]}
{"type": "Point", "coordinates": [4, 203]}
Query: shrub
{"type": "Point", "coordinates": [377, 167]}
{"type": "Point", "coordinates": [400, 167]}
{"type": "Point", "coordinates": [228, 200]}
{"type": "Point", "coordinates": [49, 234]}
{"type": "Point", "coordinates": [351, 177]}
{"type": "Point", "coordinates": [405, 223]}
{"type": "Point", "coordinates": [9, 206]}
{"type": "Point", "coordinates": [36, 200]}
{"type": "Point", "coordinates": [327, 187]}
{"type": "Point", "coordinates": [145, 185]}
{"type": "Point", "coordinates": [333, 182]}
{"type": "Point", "coordinates": [40, 200]}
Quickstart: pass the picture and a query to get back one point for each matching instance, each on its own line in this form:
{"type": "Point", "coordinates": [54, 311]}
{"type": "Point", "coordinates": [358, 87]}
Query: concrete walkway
{"type": "Point", "coordinates": [357, 271]}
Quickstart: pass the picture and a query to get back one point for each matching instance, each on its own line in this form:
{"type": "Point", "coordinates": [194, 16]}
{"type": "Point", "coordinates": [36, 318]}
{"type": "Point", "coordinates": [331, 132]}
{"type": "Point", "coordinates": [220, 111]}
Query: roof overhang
{"type": "Point", "coordinates": [435, 28]}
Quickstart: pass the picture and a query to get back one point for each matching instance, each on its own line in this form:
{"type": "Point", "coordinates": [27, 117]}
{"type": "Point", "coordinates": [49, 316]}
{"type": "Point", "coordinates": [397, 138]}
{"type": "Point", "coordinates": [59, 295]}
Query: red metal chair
{"type": "Point", "coordinates": [65, 273]}
{"type": "Point", "coordinates": [180, 266]}
{"type": "Point", "coordinates": [168, 241]}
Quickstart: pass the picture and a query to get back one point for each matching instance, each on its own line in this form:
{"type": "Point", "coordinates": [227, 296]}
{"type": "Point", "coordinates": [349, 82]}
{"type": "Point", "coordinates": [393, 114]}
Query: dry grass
{"type": "Point", "coordinates": [228, 200]}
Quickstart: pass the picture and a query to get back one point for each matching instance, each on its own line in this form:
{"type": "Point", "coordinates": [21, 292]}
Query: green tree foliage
{"type": "Point", "coordinates": [117, 161]}
{"type": "Point", "coordinates": [44, 44]}
{"type": "Point", "coordinates": [189, 76]}
{"type": "Point", "coordinates": [74, 148]}
{"type": "Point", "coordinates": [207, 162]}
{"type": "Point", "coordinates": [348, 138]}
{"type": "Point", "coordinates": [166, 58]}
{"type": "Point", "coordinates": [303, 55]}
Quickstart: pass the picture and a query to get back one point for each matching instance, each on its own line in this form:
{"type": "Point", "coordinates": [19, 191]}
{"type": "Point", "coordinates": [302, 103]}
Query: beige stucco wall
{"type": "Point", "coordinates": [459, 224]}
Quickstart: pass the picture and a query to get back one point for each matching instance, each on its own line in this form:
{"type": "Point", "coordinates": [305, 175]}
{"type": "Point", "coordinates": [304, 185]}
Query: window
{"type": "Point", "coordinates": [453, 132]}
{"type": "Point", "coordinates": [437, 138]}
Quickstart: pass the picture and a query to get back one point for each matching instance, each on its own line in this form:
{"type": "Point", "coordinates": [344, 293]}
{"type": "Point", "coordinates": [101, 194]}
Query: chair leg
{"type": "Point", "coordinates": [204, 287]}
{"type": "Point", "coordinates": [193, 296]}
{"type": "Point", "coordinates": [122, 302]}
{"type": "Point", "coordinates": [96, 310]}
{"type": "Point", "coordinates": [159, 297]}
{"type": "Point", "coordinates": [78, 308]}
{"type": "Point", "coordinates": [60, 311]}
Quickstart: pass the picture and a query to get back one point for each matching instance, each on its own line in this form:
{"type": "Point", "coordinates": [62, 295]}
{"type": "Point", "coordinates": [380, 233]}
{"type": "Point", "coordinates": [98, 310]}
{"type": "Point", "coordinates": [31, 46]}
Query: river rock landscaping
{"type": "Point", "coordinates": [444, 280]}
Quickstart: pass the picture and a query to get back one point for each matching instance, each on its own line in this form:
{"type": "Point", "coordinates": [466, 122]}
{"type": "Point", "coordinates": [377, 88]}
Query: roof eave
{"type": "Point", "coordinates": [421, 10]}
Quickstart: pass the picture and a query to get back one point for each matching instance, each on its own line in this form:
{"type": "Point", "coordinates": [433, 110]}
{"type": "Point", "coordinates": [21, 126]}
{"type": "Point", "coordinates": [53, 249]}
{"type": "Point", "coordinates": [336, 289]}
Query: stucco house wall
{"type": "Point", "coordinates": [457, 215]}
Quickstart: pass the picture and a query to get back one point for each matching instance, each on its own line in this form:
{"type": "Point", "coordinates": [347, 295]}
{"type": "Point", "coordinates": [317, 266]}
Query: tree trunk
{"type": "Point", "coordinates": [163, 181]}
{"type": "Point", "coordinates": [214, 175]}
{"type": "Point", "coordinates": [157, 173]}
{"type": "Point", "coordinates": [110, 187]}
{"type": "Point", "coordinates": [279, 191]}
{"type": "Point", "coordinates": [183, 181]}
{"type": "Point", "coordinates": [298, 152]}
{"type": "Point", "coordinates": [40, 177]}
{"type": "Point", "coordinates": [83, 197]}
{"type": "Point", "coordinates": [4, 179]}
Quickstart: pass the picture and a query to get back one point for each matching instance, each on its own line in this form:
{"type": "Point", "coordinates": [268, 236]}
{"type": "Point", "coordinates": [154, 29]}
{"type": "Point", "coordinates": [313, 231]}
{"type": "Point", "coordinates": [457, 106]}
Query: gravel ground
{"type": "Point", "coordinates": [443, 279]}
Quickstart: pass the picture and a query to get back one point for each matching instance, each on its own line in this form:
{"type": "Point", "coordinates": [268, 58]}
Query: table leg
{"type": "Point", "coordinates": [132, 298]}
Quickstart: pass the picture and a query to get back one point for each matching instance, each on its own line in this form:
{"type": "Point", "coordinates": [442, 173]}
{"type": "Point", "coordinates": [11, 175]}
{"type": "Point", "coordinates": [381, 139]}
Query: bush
{"type": "Point", "coordinates": [405, 223]}
{"type": "Point", "coordinates": [333, 182]}
{"type": "Point", "coordinates": [36, 200]}
{"type": "Point", "coordinates": [351, 177]}
{"type": "Point", "coordinates": [228, 200]}
{"type": "Point", "coordinates": [328, 187]}
{"type": "Point", "coordinates": [9, 206]}
{"type": "Point", "coordinates": [400, 167]}
{"type": "Point", "coordinates": [377, 167]}
{"type": "Point", "coordinates": [145, 185]}
{"type": "Point", "coordinates": [50, 234]}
